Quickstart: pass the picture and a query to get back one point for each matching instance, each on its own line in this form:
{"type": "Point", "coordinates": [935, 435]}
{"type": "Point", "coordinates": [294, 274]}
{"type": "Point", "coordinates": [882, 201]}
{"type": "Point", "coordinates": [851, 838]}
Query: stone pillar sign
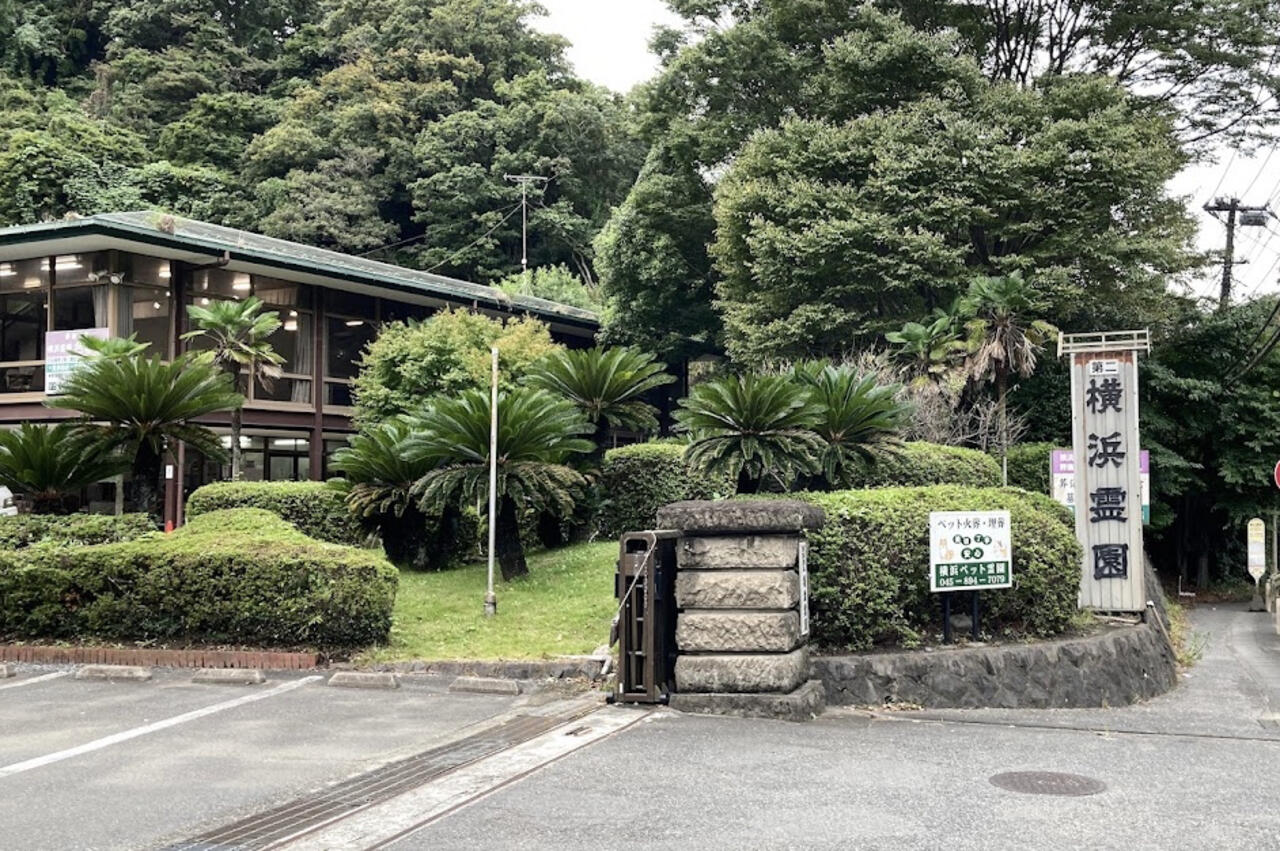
{"type": "Point", "coordinates": [742, 624]}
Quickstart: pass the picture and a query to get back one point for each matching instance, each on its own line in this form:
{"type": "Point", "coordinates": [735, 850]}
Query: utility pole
{"type": "Point", "coordinates": [524, 180]}
{"type": "Point", "coordinates": [1248, 217]}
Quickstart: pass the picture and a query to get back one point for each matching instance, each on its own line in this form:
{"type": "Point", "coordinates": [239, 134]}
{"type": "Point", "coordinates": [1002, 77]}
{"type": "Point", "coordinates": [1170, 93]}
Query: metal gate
{"type": "Point", "coordinates": [645, 586]}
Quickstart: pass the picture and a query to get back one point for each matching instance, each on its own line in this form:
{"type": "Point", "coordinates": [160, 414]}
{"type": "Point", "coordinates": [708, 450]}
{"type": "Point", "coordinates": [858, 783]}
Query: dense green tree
{"type": "Point", "coordinates": [1211, 61]}
{"type": "Point", "coordinates": [779, 61]}
{"type": "Point", "coordinates": [410, 362]}
{"type": "Point", "coordinates": [553, 283]}
{"type": "Point", "coordinates": [829, 235]}
{"type": "Point", "coordinates": [1213, 434]}
{"type": "Point", "coordinates": [656, 277]}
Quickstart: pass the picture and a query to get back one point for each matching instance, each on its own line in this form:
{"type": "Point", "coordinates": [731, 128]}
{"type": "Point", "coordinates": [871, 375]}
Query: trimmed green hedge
{"type": "Point", "coordinates": [639, 479]}
{"type": "Point", "coordinates": [241, 576]}
{"type": "Point", "coordinates": [918, 464]}
{"type": "Point", "coordinates": [1029, 466]}
{"type": "Point", "coordinates": [17, 532]}
{"type": "Point", "coordinates": [869, 566]}
{"type": "Point", "coordinates": [316, 509]}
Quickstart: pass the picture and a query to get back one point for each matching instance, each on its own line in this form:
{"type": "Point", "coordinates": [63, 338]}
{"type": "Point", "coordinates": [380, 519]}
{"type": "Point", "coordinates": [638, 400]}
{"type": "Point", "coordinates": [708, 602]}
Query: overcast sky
{"type": "Point", "coordinates": [610, 47]}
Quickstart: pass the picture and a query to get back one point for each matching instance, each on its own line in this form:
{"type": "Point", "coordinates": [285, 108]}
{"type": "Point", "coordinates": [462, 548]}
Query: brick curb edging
{"type": "Point", "coordinates": [269, 660]}
{"type": "Point", "coordinates": [274, 660]}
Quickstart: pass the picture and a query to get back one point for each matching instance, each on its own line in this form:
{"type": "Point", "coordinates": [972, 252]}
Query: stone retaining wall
{"type": "Point", "coordinates": [1117, 666]}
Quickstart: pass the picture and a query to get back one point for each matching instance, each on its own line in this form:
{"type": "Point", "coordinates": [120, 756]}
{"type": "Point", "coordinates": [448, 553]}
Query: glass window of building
{"type": "Point", "coordinates": [216, 283]}
{"type": "Point", "coordinates": [399, 311]}
{"type": "Point", "coordinates": [354, 305]}
{"type": "Point", "coordinates": [349, 327]}
{"type": "Point", "coordinates": [24, 319]}
{"type": "Point", "coordinates": [144, 311]}
{"type": "Point", "coordinates": [294, 341]}
{"type": "Point", "coordinates": [274, 459]}
{"type": "Point", "coordinates": [80, 307]}
{"type": "Point", "coordinates": [277, 293]}
{"type": "Point", "coordinates": [80, 269]}
{"type": "Point", "coordinates": [145, 301]}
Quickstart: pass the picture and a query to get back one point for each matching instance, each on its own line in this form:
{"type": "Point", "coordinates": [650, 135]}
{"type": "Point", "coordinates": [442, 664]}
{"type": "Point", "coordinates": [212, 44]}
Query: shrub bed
{"type": "Point", "coordinates": [918, 464]}
{"type": "Point", "coordinates": [316, 509]}
{"type": "Point", "coordinates": [639, 479]}
{"type": "Point", "coordinates": [869, 566]}
{"type": "Point", "coordinates": [20, 531]}
{"type": "Point", "coordinates": [241, 576]}
{"type": "Point", "coordinates": [1029, 466]}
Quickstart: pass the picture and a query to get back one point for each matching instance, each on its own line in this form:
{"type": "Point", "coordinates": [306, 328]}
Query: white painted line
{"type": "Point", "coordinates": [417, 808]}
{"type": "Point", "coordinates": [126, 735]}
{"type": "Point", "coordinates": [40, 679]}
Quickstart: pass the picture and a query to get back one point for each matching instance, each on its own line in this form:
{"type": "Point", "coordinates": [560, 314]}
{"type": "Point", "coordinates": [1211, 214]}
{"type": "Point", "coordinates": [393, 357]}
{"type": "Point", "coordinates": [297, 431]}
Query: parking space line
{"type": "Point", "coordinates": [146, 729]}
{"type": "Point", "coordinates": [33, 680]}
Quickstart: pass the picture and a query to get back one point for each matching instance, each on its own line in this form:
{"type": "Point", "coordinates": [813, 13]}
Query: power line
{"type": "Point", "coordinates": [500, 223]}
{"type": "Point", "coordinates": [398, 243]}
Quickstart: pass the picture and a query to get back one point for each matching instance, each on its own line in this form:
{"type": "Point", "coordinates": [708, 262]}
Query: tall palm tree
{"type": "Point", "coordinates": [860, 417]}
{"type": "Point", "coordinates": [537, 433]}
{"type": "Point", "coordinates": [49, 464]}
{"type": "Point", "coordinates": [753, 427]}
{"type": "Point", "coordinates": [239, 336]}
{"type": "Point", "coordinates": [606, 384]}
{"type": "Point", "coordinates": [378, 479]}
{"type": "Point", "coordinates": [1004, 339]}
{"type": "Point", "coordinates": [144, 406]}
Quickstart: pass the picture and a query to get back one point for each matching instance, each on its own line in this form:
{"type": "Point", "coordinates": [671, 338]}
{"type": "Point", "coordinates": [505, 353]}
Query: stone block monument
{"type": "Point", "coordinates": [740, 631]}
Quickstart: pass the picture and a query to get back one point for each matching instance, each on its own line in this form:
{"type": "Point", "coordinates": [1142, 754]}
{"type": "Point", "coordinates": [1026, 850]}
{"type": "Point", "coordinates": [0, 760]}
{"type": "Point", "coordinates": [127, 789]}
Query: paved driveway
{"type": "Point", "coordinates": [296, 764]}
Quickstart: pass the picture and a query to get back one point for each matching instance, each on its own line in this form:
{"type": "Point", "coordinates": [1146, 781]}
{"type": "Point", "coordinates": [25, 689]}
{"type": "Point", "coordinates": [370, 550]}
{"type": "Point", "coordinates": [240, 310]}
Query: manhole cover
{"type": "Point", "coordinates": [1048, 783]}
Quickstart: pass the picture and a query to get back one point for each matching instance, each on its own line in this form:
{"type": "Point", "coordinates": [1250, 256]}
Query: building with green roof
{"type": "Point", "coordinates": [134, 273]}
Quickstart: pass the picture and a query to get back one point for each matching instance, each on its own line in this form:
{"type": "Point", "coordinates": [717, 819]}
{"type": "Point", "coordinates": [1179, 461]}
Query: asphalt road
{"type": "Point", "coordinates": [147, 765]}
{"type": "Point", "coordinates": [1198, 768]}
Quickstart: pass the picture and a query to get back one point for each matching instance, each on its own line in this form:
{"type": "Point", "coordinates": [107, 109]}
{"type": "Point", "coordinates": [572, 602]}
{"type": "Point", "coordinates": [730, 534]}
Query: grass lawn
{"type": "Point", "coordinates": [564, 606]}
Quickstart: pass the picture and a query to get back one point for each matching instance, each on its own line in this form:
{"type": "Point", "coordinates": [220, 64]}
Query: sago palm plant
{"type": "Point", "coordinates": [144, 406]}
{"type": "Point", "coordinates": [860, 417]}
{"type": "Point", "coordinates": [238, 333]}
{"type": "Point", "coordinates": [605, 384]}
{"type": "Point", "coordinates": [378, 479]}
{"type": "Point", "coordinates": [537, 433]}
{"type": "Point", "coordinates": [49, 464]}
{"type": "Point", "coordinates": [753, 427]}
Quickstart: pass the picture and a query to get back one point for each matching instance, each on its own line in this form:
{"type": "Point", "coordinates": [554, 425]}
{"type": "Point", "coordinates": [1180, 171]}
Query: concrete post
{"type": "Point", "coordinates": [738, 624]}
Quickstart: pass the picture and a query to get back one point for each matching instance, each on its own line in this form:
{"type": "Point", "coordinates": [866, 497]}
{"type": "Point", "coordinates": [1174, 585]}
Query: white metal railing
{"type": "Point", "coordinates": [1104, 341]}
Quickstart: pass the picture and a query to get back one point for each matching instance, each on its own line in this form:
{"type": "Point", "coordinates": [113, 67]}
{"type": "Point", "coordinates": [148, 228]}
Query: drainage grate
{"type": "Point", "coordinates": [1048, 783]}
{"type": "Point", "coordinates": [342, 799]}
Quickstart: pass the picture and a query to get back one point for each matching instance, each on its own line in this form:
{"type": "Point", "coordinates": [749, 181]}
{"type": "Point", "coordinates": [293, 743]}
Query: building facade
{"type": "Point", "coordinates": [136, 273]}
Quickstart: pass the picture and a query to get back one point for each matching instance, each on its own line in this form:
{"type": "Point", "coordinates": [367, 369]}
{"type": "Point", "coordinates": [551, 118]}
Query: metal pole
{"type": "Point", "coordinates": [490, 599]}
{"type": "Point", "coordinates": [946, 617]}
{"type": "Point", "coordinates": [524, 232]}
